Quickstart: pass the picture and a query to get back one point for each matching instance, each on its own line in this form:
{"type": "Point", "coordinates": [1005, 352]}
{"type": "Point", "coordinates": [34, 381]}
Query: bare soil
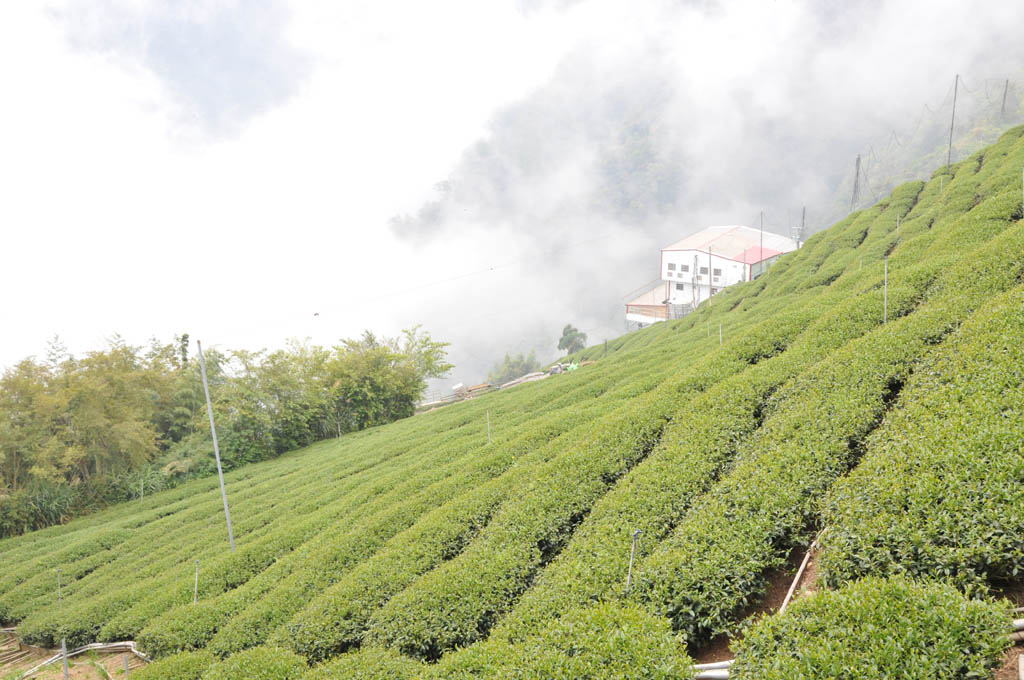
{"type": "Point", "coordinates": [779, 580]}
{"type": "Point", "coordinates": [1008, 671]}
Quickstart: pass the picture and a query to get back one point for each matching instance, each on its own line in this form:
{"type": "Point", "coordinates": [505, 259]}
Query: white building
{"type": "Point", "coordinates": [700, 265]}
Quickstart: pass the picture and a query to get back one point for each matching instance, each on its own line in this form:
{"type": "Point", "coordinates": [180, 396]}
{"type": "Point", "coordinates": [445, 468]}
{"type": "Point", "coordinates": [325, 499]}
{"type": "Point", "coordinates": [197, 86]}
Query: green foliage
{"type": "Point", "coordinates": [79, 434]}
{"type": "Point", "coordinates": [572, 339]}
{"type": "Point", "coordinates": [877, 629]}
{"type": "Point", "coordinates": [598, 641]}
{"type": "Point", "coordinates": [940, 490]}
{"type": "Point", "coordinates": [506, 556]}
{"type": "Point", "coordinates": [258, 663]}
{"type": "Point", "coordinates": [183, 666]}
{"type": "Point", "coordinates": [372, 663]}
{"type": "Point", "coordinates": [512, 367]}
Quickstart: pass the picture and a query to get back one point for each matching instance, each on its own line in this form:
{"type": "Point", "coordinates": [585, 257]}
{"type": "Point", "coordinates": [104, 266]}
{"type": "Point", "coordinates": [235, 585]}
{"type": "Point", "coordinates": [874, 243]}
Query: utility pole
{"type": "Point", "coordinates": [216, 450]}
{"type": "Point", "coordinates": [693, 284]}
{"type": "Point", "coordinates": [709, 275]}
{"type": "Point", "coordinates": [1002, 110]}
{"type": "Point", "coordinates": [952, 119]}
{"type": "Point", "coordinates": [856, 184]}
{"type": "Point", "coordinates": [803, 226]}
{"type": "Point", "coordinates": [760, 253]}
{"type": "Point", "coordinates": [885, 291]}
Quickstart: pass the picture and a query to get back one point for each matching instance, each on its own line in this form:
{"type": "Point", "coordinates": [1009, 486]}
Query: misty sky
{"type": "Point", "coordinates": [492, 170]}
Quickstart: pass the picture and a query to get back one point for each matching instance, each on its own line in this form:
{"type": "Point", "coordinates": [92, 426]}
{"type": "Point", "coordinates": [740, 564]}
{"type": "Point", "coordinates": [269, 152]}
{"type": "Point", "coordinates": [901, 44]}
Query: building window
{"type": "Point", "coordinates": [684, 267]}
{"type": "Point", "coordinates": [714, 290]}
{"type": "Point", "coordinates": [716, 272]}
{"type": "Point", "coordinates": [680, 286]}
{"type": "Point", "coordinates": [703, 271]}
{"type": "Point", "coordinates": [671, 267]}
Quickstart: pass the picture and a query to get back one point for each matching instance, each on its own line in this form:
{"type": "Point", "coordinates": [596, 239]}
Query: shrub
{"type": "Point", "coordinates": [371, 663]}
{"type": "Point", "coordinates": [181, 666]}
{"type": "Point", "coordinates": [258, 663]}
{"type": "Point", "coordinates": [895, 629]}
{"type": "Point", "coordinates": [598, 641]}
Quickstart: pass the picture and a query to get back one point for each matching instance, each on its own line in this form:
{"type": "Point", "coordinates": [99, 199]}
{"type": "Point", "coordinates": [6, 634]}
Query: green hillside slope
{"type": "Point", "coordinates": [492, 538]}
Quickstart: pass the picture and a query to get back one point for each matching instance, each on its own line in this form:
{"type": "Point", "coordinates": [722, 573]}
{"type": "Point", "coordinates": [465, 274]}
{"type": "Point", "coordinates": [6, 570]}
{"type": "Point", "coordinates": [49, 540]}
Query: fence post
{"type": "Point", "coordinates": [64, 656]}
{"type": "Point", "coordinates": [125, 657]}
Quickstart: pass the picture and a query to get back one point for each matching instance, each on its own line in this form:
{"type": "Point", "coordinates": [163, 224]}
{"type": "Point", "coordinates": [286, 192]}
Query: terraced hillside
{"type": "Point", "coordinates": [887, 419]}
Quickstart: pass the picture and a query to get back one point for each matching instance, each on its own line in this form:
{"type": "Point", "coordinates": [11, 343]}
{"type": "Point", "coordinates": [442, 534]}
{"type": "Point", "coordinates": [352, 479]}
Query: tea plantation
{"type": "Point", "coordinates": [422, 550]}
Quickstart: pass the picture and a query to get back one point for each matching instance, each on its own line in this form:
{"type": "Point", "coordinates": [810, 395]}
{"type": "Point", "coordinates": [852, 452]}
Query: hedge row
{"type": "Point", "coordinates": [695, 449]}
{"type": "Point", "coordinates": [940, 492]}
{"type": "Point", "coordinates": [875, 628]}
{"type": "Point", "coordinates": [715, 564]}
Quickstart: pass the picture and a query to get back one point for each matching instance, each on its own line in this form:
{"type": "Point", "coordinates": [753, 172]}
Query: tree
{"type": "Point", "coordinates": [572, 339]}
{"type": "Point", "coordinates": [512, 367]}
{"type": "Point", "coordinates": [377, 380]}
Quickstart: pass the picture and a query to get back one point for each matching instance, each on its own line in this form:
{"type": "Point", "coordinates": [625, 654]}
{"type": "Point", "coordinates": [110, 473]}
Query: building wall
{"type": "Point", "coordinates": [689, 267]}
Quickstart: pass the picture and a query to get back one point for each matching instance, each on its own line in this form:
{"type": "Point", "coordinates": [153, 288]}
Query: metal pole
{"type": "Point", "coordinates": [488, 427]}
{"type": "Point", "coordinates": [856, 184]}
{"type": "Point", "coordinates": [885, 292]}
{"type": "Point", "coordinates": [952, 119]}
{"type": "Point", "coordinates": [125, 657]}
{"type": "Point", "coordinates": [1002, 111]}
{"type": "Point", "coordinates": [64, 656]}
{"type": "Point", "coordinates": [709, 276]}
{"type": "Point", "coordinates": [216, 450]}
{"type": "Point", "coordinates": [632, 554]}
{"type": "Point", "coordinates": [60, 603]}
{"type": "Point", "coordinates": [195, 588]}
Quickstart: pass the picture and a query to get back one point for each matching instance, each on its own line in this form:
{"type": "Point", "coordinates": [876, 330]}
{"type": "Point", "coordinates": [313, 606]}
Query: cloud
{"type": "Point", "coordinates": [222, 62]}
{"type": "Point", "coordinates": [665, 117]}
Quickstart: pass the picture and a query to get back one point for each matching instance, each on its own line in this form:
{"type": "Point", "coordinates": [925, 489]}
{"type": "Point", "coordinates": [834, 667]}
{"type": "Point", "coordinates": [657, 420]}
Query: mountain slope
{"type": "Point", "coordinates": [493, 537]}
